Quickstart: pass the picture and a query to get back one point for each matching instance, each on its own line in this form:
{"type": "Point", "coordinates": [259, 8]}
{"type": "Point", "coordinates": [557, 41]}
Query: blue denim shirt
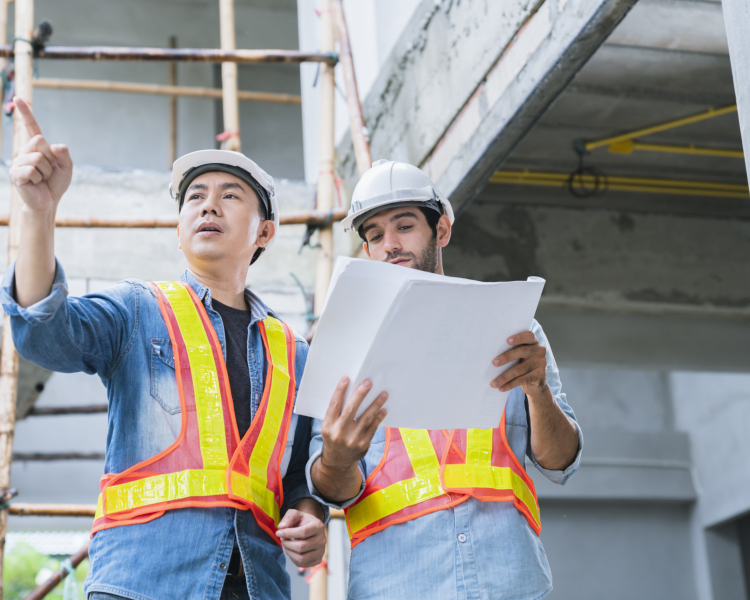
{"type": "Point", "coordinates": [120, 335]}
{"type": "Point", "coordinates": [476, 550]}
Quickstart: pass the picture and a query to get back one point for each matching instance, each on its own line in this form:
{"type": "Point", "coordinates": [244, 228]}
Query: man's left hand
{"type": "Point", "coordinates": [303, 536]}
{"type": "Point", "coordinates": [531, 371]}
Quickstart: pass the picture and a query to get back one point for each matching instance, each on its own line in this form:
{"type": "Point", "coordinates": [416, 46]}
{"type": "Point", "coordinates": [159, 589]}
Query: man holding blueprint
{"type": "Point", "coordinates": [441, 513]}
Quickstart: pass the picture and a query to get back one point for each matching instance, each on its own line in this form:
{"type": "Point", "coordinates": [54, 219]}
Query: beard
{"type": "Point", "coordinates": [426, 260]}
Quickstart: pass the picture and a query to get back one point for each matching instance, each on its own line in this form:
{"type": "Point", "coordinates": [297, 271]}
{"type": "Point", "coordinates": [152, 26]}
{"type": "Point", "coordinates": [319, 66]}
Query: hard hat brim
{"type": "Point", "coordinates": [396, 197]}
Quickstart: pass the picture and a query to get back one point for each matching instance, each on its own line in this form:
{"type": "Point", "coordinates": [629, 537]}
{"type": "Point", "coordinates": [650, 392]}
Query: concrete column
{"type": "Point", "coordinates": [737, 22]}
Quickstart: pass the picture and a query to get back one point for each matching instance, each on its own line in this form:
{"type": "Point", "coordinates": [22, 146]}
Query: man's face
{"type": "Point", "coordinates": [402, 236]}
{"type": "Point", "coordinates": [221, 219]}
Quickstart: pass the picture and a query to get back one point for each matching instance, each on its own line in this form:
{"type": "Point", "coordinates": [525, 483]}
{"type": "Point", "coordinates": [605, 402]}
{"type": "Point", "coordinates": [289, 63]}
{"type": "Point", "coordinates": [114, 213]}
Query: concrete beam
{"type": "Point", "coordinates": [466, 82]}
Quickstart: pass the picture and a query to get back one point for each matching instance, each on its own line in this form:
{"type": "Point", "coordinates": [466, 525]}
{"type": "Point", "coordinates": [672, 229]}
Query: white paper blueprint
{"type": "Point", "coordinates": [426, 339]}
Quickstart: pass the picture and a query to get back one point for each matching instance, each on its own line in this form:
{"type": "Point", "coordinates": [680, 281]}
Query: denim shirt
{"type": "Point", "coordinates": [120, 334]}
{"type": "Point", "coordinates": [475, 550]}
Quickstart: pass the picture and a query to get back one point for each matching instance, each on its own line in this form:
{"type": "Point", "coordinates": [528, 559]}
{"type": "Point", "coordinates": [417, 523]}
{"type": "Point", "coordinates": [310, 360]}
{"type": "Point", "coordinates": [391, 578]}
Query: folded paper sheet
{"type": "Point", "coordinates": [428, 340]}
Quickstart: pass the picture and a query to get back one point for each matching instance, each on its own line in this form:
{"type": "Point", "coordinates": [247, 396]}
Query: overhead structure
{"type": "Point", "coordinates": [25, 49]}
{"type": "Point", "coordinates": [737, 21]}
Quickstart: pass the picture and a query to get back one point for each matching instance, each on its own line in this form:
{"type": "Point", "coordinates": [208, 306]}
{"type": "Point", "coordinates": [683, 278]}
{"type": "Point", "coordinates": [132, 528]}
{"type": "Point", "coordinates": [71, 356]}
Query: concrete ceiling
{"type": "Point", "coordinates": [667, 59]}
{"type": "Point", "coordinates": [650, 280]}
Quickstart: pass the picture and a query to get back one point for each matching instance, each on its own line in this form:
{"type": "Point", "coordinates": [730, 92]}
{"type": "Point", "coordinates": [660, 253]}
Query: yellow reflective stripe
{"type": "Point", "coordinates": [420, 450]}
{"type": "Point", "coordinates": [478, 471]}
{"type": "Point", "coordinates": [209, 410]}
{"type": "Point", "coordinates": [479, 446]}
{"type": "Point", "coordinates": [424, 486]}
{"type": "Point", "coordinates": [262, 497]}
{"type": "Point", "coordinates": [392, 499]}
{"type": "Point", "coordinates": [99, 511]}
{"type": "Point", "coordinates": [255, 488]}
{"type": "Point", "coordinates": [164, 488]}
{"type": "Point", "coordinates": [488, 477]}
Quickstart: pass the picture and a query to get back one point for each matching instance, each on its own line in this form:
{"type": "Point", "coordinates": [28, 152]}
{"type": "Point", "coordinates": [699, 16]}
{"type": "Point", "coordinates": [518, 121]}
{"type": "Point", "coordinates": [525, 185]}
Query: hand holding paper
{"type": "Point", "coordinates": [428, 340]}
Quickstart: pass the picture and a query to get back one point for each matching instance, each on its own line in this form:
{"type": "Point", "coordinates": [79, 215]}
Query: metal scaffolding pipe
{"type": "Point", "coordinates": [85, 409]}
{"type": "Point", "coordinates": [54, 456]}
{"type": "Point", "coordinates": [21, 509]}
{"type": "Point", "coordinates": [58, 575]}
{"type": "Point", "coordinates": [175, 54]}
{"type": "Point", "coordinates": [159, 90]}
{"type": "Point", "coordinates": [313, 218]}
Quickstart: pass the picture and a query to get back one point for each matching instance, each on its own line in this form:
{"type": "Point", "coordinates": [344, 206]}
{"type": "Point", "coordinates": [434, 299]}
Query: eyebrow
{"type": "Point", "coordinates": [227, 185]}
{"type": "Point", "coordinates": [407, 213]}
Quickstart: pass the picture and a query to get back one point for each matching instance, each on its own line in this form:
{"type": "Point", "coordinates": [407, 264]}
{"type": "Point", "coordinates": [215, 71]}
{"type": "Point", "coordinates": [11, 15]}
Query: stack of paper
{"type": "Point", "coordinates": [426, 339]}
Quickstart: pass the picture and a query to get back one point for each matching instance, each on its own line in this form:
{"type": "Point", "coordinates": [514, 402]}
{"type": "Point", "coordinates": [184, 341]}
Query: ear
{"type": "Point", "coordinates": [266, 231]}
{"type": "Point", "coordinates": [367, 249]}
{"type": "Point", "coordinates": [443, 231]}
{"type": "Point", "coordinates": [178, 238]}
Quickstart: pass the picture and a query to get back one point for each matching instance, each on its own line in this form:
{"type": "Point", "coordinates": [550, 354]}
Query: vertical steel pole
{"type": "Point", "coordinates": [324, 270]}
{"type": "Point", "coordinates": [9, 357]}
{"type": "Point", "coordinates": [360, 139]}
{"type": "Point", "coordinates": [3, 31]}
{"type": "Point", "coordinates": [326, 84]}
{"type": "Point", "coordinates": [229, 79]}
{"type": "Point", "coordinates": [172, 107]}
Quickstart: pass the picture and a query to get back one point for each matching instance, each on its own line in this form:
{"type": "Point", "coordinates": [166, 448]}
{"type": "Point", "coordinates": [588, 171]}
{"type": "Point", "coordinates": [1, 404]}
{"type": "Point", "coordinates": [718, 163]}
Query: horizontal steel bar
{"type": "Point", "coordinates": [87, 409]}
{"type": "Point", "coordinates": [54, 456]}
{"type": "Point", "coordinates": [175, 54]}
{"type": "Point", "coordinates": [21, 509]}
{"type": "Point", "coordinates": [159, 90]}
{"type": "Point", "coordinates": [314, 218]}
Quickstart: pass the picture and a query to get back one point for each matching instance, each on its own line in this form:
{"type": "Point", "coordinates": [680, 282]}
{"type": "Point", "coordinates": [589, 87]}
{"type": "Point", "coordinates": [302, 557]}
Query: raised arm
{"type": "Point", "coordinates": [41, 172]}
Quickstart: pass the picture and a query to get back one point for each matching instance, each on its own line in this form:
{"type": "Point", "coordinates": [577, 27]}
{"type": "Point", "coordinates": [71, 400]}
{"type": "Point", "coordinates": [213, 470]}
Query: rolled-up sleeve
{"type": "Point", "coordinates": [316, 449]}
{"type": "Point", "coordinates": [89, 334]}
{"type": "Point", "coordinates": [553, 380]}
{"type": "Point", "coordinates": [44, 310]}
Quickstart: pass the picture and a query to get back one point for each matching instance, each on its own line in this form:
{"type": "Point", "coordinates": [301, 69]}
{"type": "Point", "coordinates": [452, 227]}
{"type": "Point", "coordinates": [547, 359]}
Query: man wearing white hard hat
{"type": "Point", "coordinates": [204, 484]}
{"type": "Point", "coordinates": [441, 514]}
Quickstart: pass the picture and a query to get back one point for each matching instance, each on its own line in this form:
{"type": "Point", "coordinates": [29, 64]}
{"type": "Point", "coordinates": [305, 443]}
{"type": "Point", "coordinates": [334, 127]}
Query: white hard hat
{"type": "Point", "coordinates": [187, 167]}
{"type": "Point", "coordinates": [390, 182]}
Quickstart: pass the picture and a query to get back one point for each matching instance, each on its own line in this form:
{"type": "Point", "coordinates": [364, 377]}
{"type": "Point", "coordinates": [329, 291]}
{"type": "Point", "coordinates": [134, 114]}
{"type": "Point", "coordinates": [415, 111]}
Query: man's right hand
{"type": "Point", "coordinates": [345, 441]}
{"type": "Point", "coordinates": [41, 172]}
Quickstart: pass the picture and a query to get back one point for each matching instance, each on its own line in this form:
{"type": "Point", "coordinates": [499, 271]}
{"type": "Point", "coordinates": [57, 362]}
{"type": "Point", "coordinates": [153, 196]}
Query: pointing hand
{"type": "Point", "coordinates": [41, 172]}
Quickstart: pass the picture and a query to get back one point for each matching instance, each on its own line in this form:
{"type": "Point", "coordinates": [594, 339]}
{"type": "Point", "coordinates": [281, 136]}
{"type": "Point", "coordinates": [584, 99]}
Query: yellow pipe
{"type": "Point", "coordinates": [629, 146]}
{"type": "Point", "coordinates": [632, 184]}
{"type": "Point", "coordinates": [709, 114]}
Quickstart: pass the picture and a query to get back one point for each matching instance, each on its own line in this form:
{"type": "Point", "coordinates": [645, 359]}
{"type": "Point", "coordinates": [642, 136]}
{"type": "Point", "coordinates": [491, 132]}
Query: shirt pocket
{"type": "Point", "coordinates": [163, 379]}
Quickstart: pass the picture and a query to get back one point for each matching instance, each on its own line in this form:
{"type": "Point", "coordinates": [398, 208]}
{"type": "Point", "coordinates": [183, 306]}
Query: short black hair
{"type": "Point", "coordinates": [431, 215]}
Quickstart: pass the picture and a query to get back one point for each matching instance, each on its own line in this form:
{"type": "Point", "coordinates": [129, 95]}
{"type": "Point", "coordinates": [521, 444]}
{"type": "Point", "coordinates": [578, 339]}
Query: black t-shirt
{"type": "Point", "coordinates": [236, 325]}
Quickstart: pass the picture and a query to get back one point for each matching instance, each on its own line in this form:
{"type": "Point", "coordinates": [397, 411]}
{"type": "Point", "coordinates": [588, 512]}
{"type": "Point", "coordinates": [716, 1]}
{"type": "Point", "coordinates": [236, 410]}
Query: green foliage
{"type": "Point", "coordinates": [22, 566]}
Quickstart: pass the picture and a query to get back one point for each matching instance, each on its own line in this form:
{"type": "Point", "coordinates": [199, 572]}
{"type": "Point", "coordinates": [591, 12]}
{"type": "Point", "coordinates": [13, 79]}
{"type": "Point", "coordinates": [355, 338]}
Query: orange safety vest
{"type": "Point", "coordinates": [208, 464]}
{"type": "Point", "coordinates": [423, 471]}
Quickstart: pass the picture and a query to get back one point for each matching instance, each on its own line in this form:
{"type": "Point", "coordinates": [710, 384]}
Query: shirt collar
{"type": "Point", "coordinates": [258, 310]}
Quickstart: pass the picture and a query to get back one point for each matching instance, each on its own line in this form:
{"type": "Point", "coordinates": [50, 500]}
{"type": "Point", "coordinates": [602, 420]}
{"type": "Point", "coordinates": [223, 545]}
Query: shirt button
{"type": "Point", "coordinates": [223, 566]}
{"type": "Point", "coordinates": [461, 538]}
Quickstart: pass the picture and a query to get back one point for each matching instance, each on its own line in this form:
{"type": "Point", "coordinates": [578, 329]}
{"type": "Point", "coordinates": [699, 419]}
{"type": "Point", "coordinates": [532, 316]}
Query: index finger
{"type": "Point", "coordinates": [32, 127]}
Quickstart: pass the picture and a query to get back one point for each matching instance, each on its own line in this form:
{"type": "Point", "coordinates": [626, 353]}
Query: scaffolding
{"type": "Point", "coordinates": [29, 45]}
